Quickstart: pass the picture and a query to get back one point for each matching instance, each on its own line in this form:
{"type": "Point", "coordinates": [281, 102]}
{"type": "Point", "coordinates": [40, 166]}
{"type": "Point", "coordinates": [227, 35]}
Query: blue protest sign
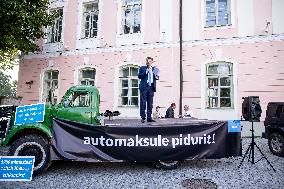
{"type": "Point", "coordinates": [234, 126]}
{"type": "Point", "coordinates": [29, 114]}
{"type": "Point", "coordinates": [16, 168]}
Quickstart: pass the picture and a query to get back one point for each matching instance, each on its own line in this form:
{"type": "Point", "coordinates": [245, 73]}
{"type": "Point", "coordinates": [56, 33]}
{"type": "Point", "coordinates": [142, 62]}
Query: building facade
{"type": "Point", "coordinates": [231, 49]}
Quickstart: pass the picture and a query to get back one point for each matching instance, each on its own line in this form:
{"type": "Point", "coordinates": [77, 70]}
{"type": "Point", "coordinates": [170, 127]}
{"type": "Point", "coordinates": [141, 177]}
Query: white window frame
{"type": "Point", "coordinates": [86, 79]}
{"type": "Point", "coordinates": [131, 4]}
{"type": "Point", "coordinates": [129, 79]}
{"type": "Point", "coordinates": [91, 14]}
{"type": "Point", "coordinates": [94, 42]}
{"type": "Point", "coordinates": [57, 46]}
{"type": "Point", "coordinates": [131, 38]}
{"type": "Point", "coordinates": [219, 87]}
{"type": "Point", "coordinates": [51, 80]}
{"type": "Point", "coordinates": [229, 11]}
{"type": "Point", "coordinates": [53, 32]}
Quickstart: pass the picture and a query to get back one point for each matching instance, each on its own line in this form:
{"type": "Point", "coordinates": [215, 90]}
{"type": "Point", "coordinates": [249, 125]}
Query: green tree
{"type": "Point", "coordinates": [14, 88]}
{"type": "Point", "coordinates": [8, 59]}
{"type": "Point", "coordinates": [22, 23]}
{"type": "Point", "coordinates": [6, 88]}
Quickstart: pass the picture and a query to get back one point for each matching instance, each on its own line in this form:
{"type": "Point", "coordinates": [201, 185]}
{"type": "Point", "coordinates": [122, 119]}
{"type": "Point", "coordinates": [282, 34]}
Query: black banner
{"type": "Point", "coordinates": [185, 139]}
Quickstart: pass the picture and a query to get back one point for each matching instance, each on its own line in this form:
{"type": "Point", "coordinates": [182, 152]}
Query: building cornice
{"type": "Point", "coordinates": [145, 46]}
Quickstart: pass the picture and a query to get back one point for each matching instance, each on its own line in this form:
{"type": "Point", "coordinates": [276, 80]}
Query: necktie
{"type": "Point", "coordinates": [150, 77]}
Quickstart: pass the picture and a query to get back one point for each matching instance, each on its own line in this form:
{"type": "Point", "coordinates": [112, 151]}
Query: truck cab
{"type": "Point", "coordinates": [79, 104]}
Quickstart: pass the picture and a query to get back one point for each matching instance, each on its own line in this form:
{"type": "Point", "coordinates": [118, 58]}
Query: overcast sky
{"type": "Point", "coordinates": [14, 73]}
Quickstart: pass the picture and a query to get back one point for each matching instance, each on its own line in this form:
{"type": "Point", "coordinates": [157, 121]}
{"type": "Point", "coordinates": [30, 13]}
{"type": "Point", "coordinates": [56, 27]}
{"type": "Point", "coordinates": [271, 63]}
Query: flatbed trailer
{"type": "Point", "coordinates": [74, 130]}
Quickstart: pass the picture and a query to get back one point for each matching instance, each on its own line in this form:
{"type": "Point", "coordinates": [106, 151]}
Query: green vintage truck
{"type": "Point", "coordinates": [79, 104]}
{"type": "Point", "coordinates": [71, 130]}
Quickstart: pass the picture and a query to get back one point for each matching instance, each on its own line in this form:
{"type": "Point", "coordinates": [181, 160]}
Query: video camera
{"type": "Point", "coordinates": [110, 114]}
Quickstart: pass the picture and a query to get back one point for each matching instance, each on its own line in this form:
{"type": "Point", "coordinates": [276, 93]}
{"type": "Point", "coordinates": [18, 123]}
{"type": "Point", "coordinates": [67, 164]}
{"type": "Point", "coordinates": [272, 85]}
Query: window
{"type": "Point", "coordinates": [87, 76]}
{"type": "Point", "coordinates": [217, 13]}
{"type": "Point", "coordinates": [219, 85]}
{"type": "Point", "coordinates": [78, 100]}
{"type": "Point", "coordinates": [129, 86]}
{"type": "Point", "coordinates": [90, 20]}
{"type": "Point", "coordinates": [280, 111]}
{"type": "Point", "coordinates": [54, 32]}
{"type": "Point", "coordinates": [50, 86]}
{"type": "Point", "coordinates": [131, 18]}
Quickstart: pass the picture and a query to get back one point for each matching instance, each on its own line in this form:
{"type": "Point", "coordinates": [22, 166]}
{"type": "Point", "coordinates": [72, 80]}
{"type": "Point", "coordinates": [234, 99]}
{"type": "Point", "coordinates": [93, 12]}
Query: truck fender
{"type": "Point", "coordinates": [23, 130]}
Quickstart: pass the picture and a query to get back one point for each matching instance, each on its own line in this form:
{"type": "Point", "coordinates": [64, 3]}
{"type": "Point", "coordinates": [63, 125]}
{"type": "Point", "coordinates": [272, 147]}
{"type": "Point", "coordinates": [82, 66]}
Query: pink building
{"type": "Point", "coordinates": [231, 49]}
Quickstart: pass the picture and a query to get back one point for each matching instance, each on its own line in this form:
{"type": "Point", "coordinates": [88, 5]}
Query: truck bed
{"type": "Point", "coordinates": [130, 140]}
{"type": "Point", "coordinates": [165, 122]}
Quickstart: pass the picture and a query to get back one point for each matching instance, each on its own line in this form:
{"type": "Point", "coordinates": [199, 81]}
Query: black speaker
{"type": "Point", "coordinates": [251, 109]}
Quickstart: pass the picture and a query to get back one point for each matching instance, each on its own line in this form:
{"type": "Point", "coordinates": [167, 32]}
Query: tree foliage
{"type": "Point", "coordinates": [22, 23]}
{"type": "Point", "coordinates": [6, 88]}
{"type": "Point", "coordinates": [9, 59]}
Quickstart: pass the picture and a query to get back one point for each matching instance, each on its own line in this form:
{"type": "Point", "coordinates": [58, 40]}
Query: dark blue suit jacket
{"type": "Point", "coordinates": [144, 77]}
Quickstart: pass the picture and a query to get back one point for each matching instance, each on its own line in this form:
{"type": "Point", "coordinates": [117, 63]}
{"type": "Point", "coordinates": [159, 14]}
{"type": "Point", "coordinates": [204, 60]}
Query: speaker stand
{"type": "Point", "coordinates": [250, 152]}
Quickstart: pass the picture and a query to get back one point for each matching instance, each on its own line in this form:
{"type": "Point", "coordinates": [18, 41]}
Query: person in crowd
{"type": "Point", "coordinates": [157, 114]}
{"type": "Point", "coordinates": [71, 99]}
{"type": "Point", "coordinates": [187, 113]}
{"type": "Point", "coordinates": [170, 111]}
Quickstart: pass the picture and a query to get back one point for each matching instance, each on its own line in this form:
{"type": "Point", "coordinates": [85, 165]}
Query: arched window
{"type": "Point", "coordinates": [219, 85]}
{"type": "Point", "coordinates": [50, 86]}
{"type": "Point", "coordinates": [87, 76]}
{"type": "Point", "coordinates": [129, 85]}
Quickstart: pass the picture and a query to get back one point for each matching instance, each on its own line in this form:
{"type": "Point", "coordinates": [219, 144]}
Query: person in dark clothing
{"type": "Point", "coordinates": [148, 75]}
{"type": "Point", "coordinates": [170, 111]}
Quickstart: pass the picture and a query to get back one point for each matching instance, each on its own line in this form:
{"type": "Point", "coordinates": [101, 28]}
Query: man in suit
{"type": "Point", "coordinates": [148, 75]}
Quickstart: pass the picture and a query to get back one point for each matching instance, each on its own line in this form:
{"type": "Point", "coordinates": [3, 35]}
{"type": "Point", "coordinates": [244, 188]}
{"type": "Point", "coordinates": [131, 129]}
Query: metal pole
{"type": "Point", "coordinates": [180, 58]}
{"type": "Point", "coordinates": [252, 143]}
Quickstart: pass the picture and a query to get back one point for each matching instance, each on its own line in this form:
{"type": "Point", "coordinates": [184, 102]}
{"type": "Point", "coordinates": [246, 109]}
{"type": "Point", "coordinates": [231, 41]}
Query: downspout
{"type": "Point", "coordinates": [180, 59]}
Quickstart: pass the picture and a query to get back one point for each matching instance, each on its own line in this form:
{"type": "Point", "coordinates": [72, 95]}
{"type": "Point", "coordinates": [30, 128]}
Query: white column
{"type": "Point", "coordinates": [166, 14]}
{"type": "Point", "coordinates": [191, 20]}
{"type": "Point", "coordinates": [245, 18]}
{"type": "Point", "coordinates": [277, 16]}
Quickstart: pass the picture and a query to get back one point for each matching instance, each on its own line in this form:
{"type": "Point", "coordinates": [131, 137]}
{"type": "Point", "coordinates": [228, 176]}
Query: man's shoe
{"type": "Point", "coordinates": [150, 120]}
{"type": "Point", "coordinates": [142, 120]}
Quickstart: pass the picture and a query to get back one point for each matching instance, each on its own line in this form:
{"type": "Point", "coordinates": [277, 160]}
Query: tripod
{"type": "Point", "coordinates": [250, 150]}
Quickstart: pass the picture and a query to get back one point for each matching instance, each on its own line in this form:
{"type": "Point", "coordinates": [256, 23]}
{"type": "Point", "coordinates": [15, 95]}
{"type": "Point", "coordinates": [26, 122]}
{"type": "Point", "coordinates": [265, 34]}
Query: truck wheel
{"type": "Point", "coordinates": [32, 145]}
{"type": "Point", "coordinates": [166, 165]}
{"type": "Point", "coordinates": [276, 144]}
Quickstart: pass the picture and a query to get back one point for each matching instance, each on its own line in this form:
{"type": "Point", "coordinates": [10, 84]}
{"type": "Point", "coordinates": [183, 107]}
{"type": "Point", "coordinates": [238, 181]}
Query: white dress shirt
{"type": "Point", "coordinates": [187, 114]}
{"type": "Point", "coordinates": [150, 79]}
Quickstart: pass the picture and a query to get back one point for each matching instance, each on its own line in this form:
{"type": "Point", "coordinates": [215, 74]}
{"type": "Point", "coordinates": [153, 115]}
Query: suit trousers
{"type": "Point", "coordinates": [146, 97]}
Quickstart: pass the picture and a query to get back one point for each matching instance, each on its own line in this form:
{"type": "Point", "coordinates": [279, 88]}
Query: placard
{"type": "Point", "coordinates": [234, 126]}
{"type": "Point", "coordinates": [29, 114]}
{"type": "Point", "coordinates": [16, 168]}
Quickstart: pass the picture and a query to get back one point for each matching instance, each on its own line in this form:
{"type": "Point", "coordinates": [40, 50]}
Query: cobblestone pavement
{"type": "Point", "coordinates": [223, 172]}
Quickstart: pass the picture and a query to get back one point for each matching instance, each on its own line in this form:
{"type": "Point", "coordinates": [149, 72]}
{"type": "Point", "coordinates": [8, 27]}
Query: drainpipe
{"type": "Point", "coordinates": [180, 59]}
